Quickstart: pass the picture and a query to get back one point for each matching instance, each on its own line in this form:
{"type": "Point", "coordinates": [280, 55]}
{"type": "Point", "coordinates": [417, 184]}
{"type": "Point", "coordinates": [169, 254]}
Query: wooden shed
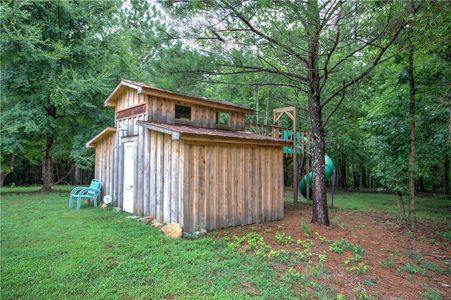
{"type": "Point", "coordinates": [187, 159]}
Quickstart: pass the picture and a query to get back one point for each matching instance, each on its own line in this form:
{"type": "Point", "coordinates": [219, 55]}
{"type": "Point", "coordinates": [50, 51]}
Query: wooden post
{"type": "Point", "coordinates": [295, 160]}
{"type": "Point", "coordinates": [307, 169]}
{"type": "Point", "coordinates": [291, 113]}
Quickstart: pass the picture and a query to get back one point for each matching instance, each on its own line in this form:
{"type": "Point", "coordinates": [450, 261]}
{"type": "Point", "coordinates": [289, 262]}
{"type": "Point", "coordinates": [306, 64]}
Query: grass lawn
{"type": "Point", "coordinates": [50, 251]}
{"type": "Point", "coordinates": [33, 189]}
{"type": "Point", "coordinates": [432, 207]}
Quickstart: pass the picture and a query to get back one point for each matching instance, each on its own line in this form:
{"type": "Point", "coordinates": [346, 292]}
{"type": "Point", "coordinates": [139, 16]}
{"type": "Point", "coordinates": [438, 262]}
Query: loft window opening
{"type": "Point", "coordinates": [222, 118]}
{"type": "Point", "coordinates": [182, 112]}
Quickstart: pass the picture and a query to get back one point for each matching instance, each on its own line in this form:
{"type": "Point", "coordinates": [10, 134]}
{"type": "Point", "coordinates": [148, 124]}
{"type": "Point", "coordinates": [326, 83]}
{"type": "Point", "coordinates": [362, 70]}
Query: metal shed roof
{"type": "Point", "coordinates": [186, 132]}
{"type": "Point", "coordinates": [101, 135]}
{"type": "Point", "coordinates": [144, 88]}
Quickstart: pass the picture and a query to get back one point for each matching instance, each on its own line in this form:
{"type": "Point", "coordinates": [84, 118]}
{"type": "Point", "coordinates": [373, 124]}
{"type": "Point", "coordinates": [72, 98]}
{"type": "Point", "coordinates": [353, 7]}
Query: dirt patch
{"type": "Point", "coordinates": [250, 288]}
{"type": "Point", "coordinates": [393, 264]}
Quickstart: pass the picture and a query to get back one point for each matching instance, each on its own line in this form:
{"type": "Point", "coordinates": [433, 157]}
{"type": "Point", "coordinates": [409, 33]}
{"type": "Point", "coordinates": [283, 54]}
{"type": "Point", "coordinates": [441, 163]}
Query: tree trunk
{"type": "Point", "coordinates": [361, 177]}
{"type": "Point", "coordinates": [4, 173]}
{"type": "Point", "coordinates": [320, 211]}
{"type": "Point", "coordinates": [434, 171]}
{"type": "Point", "coordinates": [446, 175]}
{"type": "Point", "coordinates": [343, 174]}
{"type": "Point", "coordinates": [354, 176]}
{"type": "Point", "coordinates": [412, 204]}
{"type": "Point", "coordinates": [402, 211]}
{"type": "Point", "coordinates": [77, 178]}
{"type": "Point", "coordinates": [47, 167]}
{"type": "Point", "coordinates": [421, 184]}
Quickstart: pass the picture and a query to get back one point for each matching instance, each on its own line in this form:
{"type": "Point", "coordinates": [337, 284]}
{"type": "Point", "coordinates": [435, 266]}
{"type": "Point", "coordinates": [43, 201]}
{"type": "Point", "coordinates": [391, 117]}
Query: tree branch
{"type": "Point", "coordinates": [375, 62]}
{"type": "Point", "coordinates": [266, 37]}
{"type": "Point", "coordinates": [329, 54]}
{"type": "Point", "coordinates": [256, 84]}
{"type": "Point", "coordinates": [271, 71]}
{"type": "Point", "coordinates": [336, 107]}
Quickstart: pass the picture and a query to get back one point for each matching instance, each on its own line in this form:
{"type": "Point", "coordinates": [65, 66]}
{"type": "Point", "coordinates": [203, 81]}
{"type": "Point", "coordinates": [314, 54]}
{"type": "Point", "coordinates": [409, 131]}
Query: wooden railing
{"type": "Point", "coordinates": [302, 144]}
{"type": "Point", "coordinates": [266, 130]}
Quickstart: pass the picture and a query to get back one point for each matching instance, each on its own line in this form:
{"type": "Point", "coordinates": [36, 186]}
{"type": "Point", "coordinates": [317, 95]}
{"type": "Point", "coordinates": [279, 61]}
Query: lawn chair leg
{"type": "Point", "coordinates": [78, 202]}
{"type": "Point", "coordinates": [95, 201]}
{"type": "Point", "coordinates": [71, 201]}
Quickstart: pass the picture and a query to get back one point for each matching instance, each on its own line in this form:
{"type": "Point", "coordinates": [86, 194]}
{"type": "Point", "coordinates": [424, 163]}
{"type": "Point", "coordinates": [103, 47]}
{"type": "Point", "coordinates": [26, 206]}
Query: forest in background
{"type": "Point", "coordinates": [60, 59]}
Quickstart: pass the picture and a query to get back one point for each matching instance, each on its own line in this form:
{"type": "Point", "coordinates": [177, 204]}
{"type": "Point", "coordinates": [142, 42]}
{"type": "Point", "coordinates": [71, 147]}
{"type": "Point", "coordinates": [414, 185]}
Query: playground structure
{"type": "Point", "coordinates": [297, 152]}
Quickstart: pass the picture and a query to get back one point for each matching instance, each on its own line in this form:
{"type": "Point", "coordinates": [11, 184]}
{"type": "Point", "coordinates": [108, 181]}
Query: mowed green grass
{"type": "Point", "coordinates": [49, 251]}
{"type": "Point", "coordinates": [33, 189]}
{"type": "Point", "coordinates": [433, 207]}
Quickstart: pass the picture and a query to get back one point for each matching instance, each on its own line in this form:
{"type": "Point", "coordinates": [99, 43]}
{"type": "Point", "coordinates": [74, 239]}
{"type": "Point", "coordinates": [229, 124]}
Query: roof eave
{"type": "Point", "coordinates": [231, 140]}
{"type": "Point", "coordinates": [110, 99]}
{"type": "Point", "coordinates": [92, 143]}
{"type": "Point", "coordinates": [195, 100]}
{"type": "Point", "coordinates": [158, 92]}
{"type": "Point", "coordinates": [176, 135]}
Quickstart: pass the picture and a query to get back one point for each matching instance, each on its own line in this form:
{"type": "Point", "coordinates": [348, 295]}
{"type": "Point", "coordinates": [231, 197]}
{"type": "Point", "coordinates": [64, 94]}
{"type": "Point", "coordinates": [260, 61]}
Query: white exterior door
{"type": "Point", "coordinates": [129, 176]}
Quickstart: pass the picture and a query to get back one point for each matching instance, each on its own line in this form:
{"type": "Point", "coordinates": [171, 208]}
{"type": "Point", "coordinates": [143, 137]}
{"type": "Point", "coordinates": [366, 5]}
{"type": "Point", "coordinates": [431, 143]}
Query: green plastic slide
{"type": "Point", "coordinates": [329, 170]}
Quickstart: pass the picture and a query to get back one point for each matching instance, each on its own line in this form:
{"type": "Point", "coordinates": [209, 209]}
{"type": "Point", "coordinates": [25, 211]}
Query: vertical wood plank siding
{"type": "Point", "coordinates": [211, 185]}
{"type": "Point", "coordinates": [163, 110]}
{"type": "Point", "coordinates": [162, 182]}
{"type": "Point", "coordinates": [104, 167]}
{"type": "Point", "coordinates": [229, 185]}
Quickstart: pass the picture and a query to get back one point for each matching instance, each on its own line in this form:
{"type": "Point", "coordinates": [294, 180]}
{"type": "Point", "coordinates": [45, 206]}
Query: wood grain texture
{"type": "Point", "coordinates": [231, 185]}
{"type": "Point", "coordinates": [104, 170]}
{"type": "Point", "coordinates": [163, 110]}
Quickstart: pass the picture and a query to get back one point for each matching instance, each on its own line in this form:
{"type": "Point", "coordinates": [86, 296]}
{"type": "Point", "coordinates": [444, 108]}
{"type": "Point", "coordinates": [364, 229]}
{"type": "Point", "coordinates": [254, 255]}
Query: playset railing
{"type": "Point", "coordinates": [302, 145]}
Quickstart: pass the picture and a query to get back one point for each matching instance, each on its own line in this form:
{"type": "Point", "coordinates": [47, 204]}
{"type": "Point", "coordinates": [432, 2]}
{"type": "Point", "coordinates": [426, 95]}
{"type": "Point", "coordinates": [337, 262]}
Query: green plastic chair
{"type": "Point", "coordinates": [82, 192]}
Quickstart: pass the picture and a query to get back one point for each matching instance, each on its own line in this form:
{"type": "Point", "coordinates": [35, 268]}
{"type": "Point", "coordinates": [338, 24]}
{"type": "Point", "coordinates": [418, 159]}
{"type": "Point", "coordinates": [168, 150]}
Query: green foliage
{"type": "Point", "coordinates": [340, 246]}
{"type": "Point", "coordinates": [360, 293]}
{"type": "Point", "coordinates": [293, 274]}
{"type": "Point", "coordinates": [322, 258]}
{"type": "Point", "coordinates": [359, 268]}
{"type": "Point", "coordinates": [387, 263]}
{"type": "Point", "coordinates": [340, 297]}
{"type": "Point", "coordinates": [283, 238]}
{"type": "Point", "coordinates": [305, 228]}
{"type": "Point", "coordinates": [413, 269]}
{"type": "Point", "coordinates": [386, 96]}
{"type": "Point", "coordinates": [53, 72]}
{"type": "Point", "coordinates": [446, 235]}
{"type": "Point", "coordinates": [432, 294]}
{"type": "Point", "coordinates": [358, 250]}
{"type": "Point", "coordinates": [303, 255]}
{"type": "Point", "coordinates": [60, 59]}
{"type": "Point", "coordinates": [251, 241]}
